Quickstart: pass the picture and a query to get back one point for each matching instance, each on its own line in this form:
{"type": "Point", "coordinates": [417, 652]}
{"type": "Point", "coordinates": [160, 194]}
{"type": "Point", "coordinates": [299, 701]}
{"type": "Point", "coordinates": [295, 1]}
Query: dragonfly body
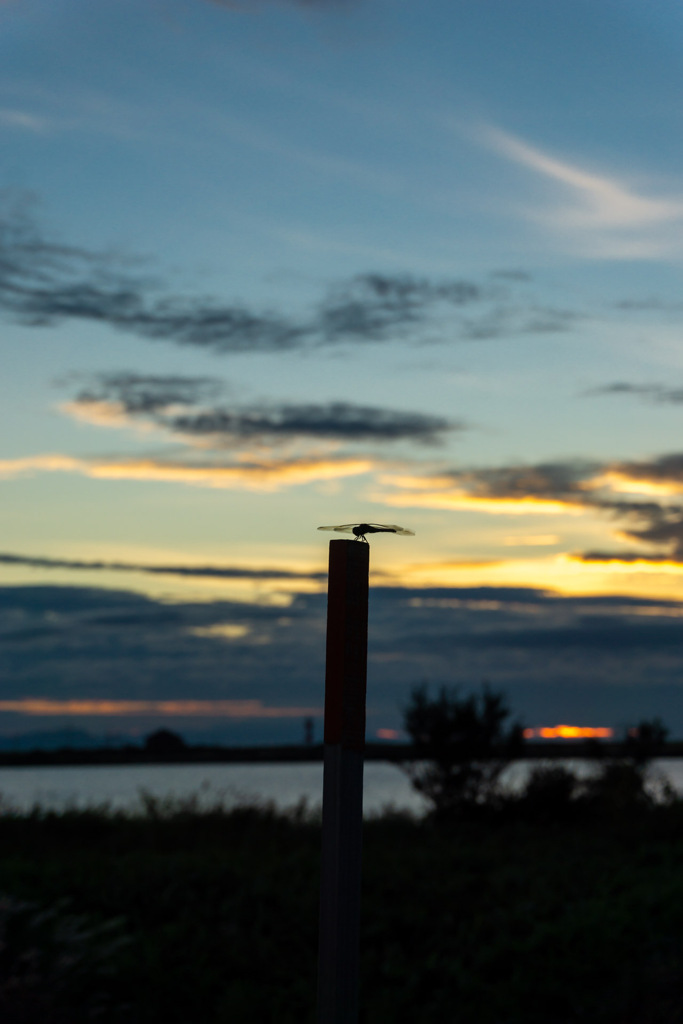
{"type": "Point", "coordinates": [359, 530]}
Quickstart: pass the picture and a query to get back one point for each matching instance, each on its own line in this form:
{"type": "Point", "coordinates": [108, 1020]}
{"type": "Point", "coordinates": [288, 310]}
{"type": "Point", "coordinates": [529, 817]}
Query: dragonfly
{"type": "Point", "coordinates": [359, 530]}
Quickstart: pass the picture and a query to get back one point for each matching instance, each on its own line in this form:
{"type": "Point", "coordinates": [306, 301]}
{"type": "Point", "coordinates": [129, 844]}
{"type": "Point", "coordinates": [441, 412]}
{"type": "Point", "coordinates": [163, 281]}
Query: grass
{"type": "Point", "coordinates": [183, 914]}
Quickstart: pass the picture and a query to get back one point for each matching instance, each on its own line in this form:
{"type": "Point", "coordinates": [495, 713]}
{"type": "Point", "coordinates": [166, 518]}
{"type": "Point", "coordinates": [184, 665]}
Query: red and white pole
{"type": "Point", "coordinates": [345, 686]}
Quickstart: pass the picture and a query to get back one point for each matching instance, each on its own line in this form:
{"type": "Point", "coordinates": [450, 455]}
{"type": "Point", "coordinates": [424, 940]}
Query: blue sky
{"type": "Point", "coordinates": [269, 265]}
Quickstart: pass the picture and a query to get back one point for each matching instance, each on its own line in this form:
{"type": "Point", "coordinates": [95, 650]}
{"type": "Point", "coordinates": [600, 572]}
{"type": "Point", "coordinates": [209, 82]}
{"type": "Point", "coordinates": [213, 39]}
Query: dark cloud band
{"type": "Point", "coordinates": [197, 571]}
{"type": "Point", "coordinates": [338, 420]}
{"type": "Point", "coordinates": [558, 657]}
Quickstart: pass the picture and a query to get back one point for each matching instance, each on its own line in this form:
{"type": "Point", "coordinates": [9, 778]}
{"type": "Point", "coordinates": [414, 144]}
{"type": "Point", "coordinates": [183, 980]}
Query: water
{"type": "Point", "coordinates": [120, 785]}
{"type": "Point", "coordinates": [284, 784]}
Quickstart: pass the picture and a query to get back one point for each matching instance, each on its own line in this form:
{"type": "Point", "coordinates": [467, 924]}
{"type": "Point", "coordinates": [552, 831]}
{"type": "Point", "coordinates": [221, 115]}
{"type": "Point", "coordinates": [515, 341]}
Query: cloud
{"type": "Point", "coordinates": [136, 400]}
{"type": "Point", "coordinates": [542, 488]}
{"type": "Point", "coordinates": [376, 307]}
{"type": "Point", "coordinates": [96, 652]}
{"type": "Point", "coordinates": [146, 393]}
{"type": "Point", "coordinates": [174, 404]}
{"type": "Point", "coordinates": [371, 306]}
{"type": "Point", "coordinates": [655, 524]}
{"type": "Point", "coordinates": [236, 447]}
{"type": "Point", "coordinates": [156, 708]}
{"type": "Point", "coordinates": [266, 474]}
{"type": "Point", "coordinates": [662, 475]}
{"type": "Point", "coordinates": [340, 421]}
{"type": "Point", "coordinates": [581, 484]}
{"type": "Point", "coordinates": [575, 486]}
{"type": "Point", "coordinates": [45, 283]}
{"type": "Point", "coordinates": [199, 571]}
{"type": "Point", "coordinates": [50, 463]}
{"type": "Point", "coordinates": [627, 558]}
{"type": "Point", "coordinates": [604, 215]}
{"type": "Point", "coordinates": [651, 304]}
{"type": "Point", "coordinates": [658, 394]}
{"type": "Point", "coordinates": [22, 119]}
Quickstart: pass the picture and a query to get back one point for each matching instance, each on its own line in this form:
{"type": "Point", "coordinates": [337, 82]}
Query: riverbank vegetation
{"type": "Point", "coordinates": [561, 902]}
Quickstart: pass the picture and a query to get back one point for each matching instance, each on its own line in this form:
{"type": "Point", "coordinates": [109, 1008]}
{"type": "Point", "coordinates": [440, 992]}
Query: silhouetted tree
{"type": "Point", "coordinates": [462, 744]}
{"type": "Point", "coordinates": [629, 781]}
{"type": "Point", "coordinates": [164, 743]}
{"type": "Point", "coordinates": [618, 785]}
{"type": "Point", "coordinates": [645, 740]}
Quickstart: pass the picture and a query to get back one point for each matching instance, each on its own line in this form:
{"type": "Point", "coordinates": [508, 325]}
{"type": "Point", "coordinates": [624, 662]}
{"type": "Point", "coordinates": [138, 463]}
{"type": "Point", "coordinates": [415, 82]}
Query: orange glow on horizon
{"type": "Point", "coordinates": [190, 708]}
{"type": "Point", "coordinates": [569, 732]}
{"type": "Point", "coordinates": [387, 734]}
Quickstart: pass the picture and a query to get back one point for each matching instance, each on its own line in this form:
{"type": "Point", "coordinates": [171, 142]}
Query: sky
{"type": "Point", "coordinates": [267, 265]}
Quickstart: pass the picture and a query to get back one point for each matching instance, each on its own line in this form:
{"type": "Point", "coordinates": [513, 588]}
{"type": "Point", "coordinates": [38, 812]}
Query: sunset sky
{"type": "Point", "coordinates": [271, 265]}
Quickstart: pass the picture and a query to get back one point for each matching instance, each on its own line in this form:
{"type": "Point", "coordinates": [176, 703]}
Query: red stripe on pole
{"type": "Point", "coordinates": [347, 643]}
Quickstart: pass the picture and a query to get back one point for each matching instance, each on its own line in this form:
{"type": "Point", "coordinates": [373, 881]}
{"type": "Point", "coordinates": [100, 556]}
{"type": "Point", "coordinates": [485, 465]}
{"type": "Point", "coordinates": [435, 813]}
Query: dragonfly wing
{"type": "Point", "coordinates": [393, 529]}
{"type": "Point", "coordinates": [370, 528]}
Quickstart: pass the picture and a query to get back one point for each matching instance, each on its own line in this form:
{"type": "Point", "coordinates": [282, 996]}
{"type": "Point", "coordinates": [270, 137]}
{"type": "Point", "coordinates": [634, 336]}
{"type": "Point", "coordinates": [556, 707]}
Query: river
{"type": "Point", "coordinates": [120, 786]}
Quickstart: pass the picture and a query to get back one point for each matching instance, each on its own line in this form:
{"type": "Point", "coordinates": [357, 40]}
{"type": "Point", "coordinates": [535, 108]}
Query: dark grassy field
{"type": "Point", "coordinates": [505, 917]}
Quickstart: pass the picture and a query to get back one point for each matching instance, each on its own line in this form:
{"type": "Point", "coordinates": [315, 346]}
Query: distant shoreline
{"type": "Point", "coordinates": [394, 753]}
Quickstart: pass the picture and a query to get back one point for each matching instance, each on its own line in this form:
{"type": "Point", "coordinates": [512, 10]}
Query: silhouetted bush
{"type": "Point", "coordinates": [617, 785]}
{"type": "Point", "coordinates": [463, 746]}
{"type": "Point", "coordinates": [549, 792]}
{"type": "Point", "coordinates": [498, 921]}
{"type": "Point", "coordinates": [57, 967]}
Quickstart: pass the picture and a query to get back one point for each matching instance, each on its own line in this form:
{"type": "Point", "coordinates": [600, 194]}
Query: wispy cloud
{"type": "Point", "coordinates": [600, 213]}
{"type": "Point", "coordinates": [44, 283]}
{"type": "Point", "coordinates": [657, 394]}
{"type": "Point", "coordinates": [48, 463]}
{"type": "Point", "coordinates": [140, 394]}
{"type": "Point", "coordinates": [22, 119]}
{"type": "Point", "coordinates": [253, 475]}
